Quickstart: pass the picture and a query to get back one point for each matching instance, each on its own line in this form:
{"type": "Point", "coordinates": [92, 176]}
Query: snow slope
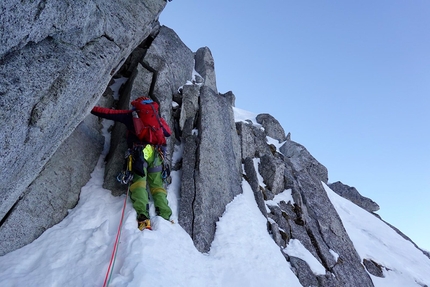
{"type": "Point", "coordinates": [76, 252]}
{"type": "Point", "coordinates": [404, 264]}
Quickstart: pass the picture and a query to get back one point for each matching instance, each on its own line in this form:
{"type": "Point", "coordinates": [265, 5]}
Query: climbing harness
{"type": "Point", "coordinates": [115, 247]}
{"type": "Point", "coordinates": [137, 160]}
{"type": "Point", "coordinates": [165, 172]}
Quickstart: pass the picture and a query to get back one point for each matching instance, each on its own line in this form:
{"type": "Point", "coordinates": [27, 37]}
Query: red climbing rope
{"type": "Point", "coordinates": [115, 247]}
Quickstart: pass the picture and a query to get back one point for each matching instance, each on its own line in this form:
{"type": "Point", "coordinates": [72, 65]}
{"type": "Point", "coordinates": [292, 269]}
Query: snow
{"type": "Point", "coordinates": [335, 255]}
{"type": "Point", "coordinates": [194, 80]}
{"type": "Point", "coordinates": [77, 251]}
{"type": "Point", "coordinates": [285, 196]}
{"type": "Point", "coordinates": [295, 248]}
{"type": "Point", "coordinates": [245, 116]}
{"type": "Point", "coordinates": [116, 85]}
{"type": "Point", "coordinates": [405, 265]}
{"type": "Point", "coordinates": [256, 162]}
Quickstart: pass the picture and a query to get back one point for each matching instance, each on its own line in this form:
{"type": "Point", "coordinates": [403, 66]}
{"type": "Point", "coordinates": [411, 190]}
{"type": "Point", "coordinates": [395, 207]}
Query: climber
{"type": "Point", "coordinates": [146, 132]}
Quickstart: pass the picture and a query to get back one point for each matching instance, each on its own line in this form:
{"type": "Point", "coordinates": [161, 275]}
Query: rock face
{"type": "Point", "coordinates": [52, 144]}
{"type": "Point", "coordinates": [55, 190]}
{"type": "Point", "coordinates": [56, 59]}
{"type": "Point", "coordinates": [216, 172]}
{"type": "Point", "coordinates": [212, 163]}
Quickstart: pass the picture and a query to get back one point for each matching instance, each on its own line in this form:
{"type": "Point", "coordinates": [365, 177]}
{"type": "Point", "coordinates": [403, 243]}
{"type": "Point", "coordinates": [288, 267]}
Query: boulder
{"type": "Point", "coordinates": [305, 275]}
{"type": "Point", "coordinates": [373, 268]}
{"type": "Point", "coordinates": [205, 66]}
{"type": "Point", "coordinates": [190, 104]}
{"type": "Point", "coordinates": [272, 127]}
{"type": "Point", "coordinates": [253, 141]}
{"type": "Point", "coordinates": [302, 161]}
{"type": "Point", "coordinates": [352, 194]}
{"type": "Point", "coordinates": [272, 170]}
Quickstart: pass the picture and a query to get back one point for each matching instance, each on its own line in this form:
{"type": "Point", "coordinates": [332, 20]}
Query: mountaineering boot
{"type": "Point", "coordinates": [143, 222]}
{"type": "Point", "coordinates": [146, 224]}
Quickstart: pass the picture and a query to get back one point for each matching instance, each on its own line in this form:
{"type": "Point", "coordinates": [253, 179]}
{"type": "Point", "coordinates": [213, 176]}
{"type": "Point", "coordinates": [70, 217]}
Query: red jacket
{"type": "Point", "coordinates": [122, 116]}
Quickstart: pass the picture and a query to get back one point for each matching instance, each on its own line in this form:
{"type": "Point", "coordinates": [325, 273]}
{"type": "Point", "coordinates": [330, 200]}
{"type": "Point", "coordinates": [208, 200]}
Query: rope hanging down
{"type": "Point", "coordinates": [115, 247]}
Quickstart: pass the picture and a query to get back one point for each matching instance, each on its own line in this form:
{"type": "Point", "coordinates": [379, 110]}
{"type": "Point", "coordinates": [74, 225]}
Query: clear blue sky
{"type": "Point", "coordinates": [349, 79]}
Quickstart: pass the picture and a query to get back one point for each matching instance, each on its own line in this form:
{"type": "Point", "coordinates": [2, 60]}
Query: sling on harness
{"type": "Point", "coordinates": [126, 175]}
{"type": "Point", "coordinates": [135, 161]}
{"type": "Point", "coordinates": [165, 172]}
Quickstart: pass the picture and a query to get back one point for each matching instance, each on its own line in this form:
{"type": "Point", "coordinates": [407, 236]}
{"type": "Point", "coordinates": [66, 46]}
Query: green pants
{"type": "Point", "coordinates": [139, 194]}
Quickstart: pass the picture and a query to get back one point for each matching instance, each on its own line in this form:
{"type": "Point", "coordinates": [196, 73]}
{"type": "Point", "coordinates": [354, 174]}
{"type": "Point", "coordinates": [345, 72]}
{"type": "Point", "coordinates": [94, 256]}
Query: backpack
{"type": "Point", "coordinates": [149, 127]}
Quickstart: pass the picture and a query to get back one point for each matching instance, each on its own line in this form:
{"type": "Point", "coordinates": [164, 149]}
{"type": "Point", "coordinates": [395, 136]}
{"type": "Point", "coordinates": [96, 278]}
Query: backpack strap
{"type": "Point", "coordinates": [165, 132]}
